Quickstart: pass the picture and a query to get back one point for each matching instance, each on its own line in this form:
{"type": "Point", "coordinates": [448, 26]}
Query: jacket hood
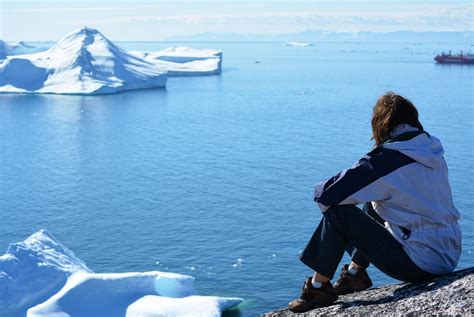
{"type": "Point", "coordinates": [423, 148]}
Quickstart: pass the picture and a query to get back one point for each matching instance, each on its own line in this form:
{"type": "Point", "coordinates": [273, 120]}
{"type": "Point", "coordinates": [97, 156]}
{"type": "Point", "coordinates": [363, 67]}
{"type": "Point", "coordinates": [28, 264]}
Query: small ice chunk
{"type": "Point", "coordinates": [196, 306]}
{"type": "Point", "coordinates": [238, 263]}
{"type": "Point", "coordinates": [297, 43]}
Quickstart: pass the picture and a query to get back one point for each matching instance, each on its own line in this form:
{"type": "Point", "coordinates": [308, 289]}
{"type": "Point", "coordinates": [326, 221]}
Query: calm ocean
{"type": "Point", "coordinates": [214, 176]}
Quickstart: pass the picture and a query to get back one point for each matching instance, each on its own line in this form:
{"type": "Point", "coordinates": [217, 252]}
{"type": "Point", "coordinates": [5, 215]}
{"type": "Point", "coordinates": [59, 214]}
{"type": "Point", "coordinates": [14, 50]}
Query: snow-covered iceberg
{"type": "Point", "coordinates": [41, 277]}
{"type": "Point", "coordinates": [16, 48]}
{"type": "Point", "coordinates": [187, 61]}
{"type": "Point", "coordinates": [84, 62]}
{"type": "Point", "coordinates": [205, 67]}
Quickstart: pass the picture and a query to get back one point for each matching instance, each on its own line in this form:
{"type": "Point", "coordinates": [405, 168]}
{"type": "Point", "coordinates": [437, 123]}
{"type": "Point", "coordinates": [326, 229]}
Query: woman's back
{"type": "Point", "coordinates": [420, 200]}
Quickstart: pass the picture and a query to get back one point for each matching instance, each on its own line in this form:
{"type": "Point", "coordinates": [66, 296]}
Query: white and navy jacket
{"type": "Point", "coordinates": [406, 179]}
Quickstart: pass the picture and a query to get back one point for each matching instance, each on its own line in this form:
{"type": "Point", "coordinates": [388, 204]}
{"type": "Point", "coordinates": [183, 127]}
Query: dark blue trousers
{"type": "Point", "coordinates": [361, 233]}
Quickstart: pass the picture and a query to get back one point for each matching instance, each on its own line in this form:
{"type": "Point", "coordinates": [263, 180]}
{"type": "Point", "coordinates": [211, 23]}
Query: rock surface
{"type": "Point", "coordinates": [452, 294]}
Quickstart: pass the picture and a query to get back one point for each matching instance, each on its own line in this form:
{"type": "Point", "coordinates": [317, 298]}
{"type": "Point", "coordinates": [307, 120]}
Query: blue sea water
{"type": "Point", "coordinates": [214, 176]}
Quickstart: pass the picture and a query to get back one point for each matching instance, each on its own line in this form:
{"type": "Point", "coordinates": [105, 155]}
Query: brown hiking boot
{"type": "Point", "coordinates": [313, 297]}
{"type": "Point", "coordinates": [349, 283]}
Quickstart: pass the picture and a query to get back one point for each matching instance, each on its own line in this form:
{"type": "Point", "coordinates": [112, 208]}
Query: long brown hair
{"type": "Point", "coordinates": [390, 111]}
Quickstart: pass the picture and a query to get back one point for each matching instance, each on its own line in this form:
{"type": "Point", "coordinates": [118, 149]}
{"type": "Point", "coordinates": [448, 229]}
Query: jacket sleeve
{"type": "Point", "coordinates": [363, 182]}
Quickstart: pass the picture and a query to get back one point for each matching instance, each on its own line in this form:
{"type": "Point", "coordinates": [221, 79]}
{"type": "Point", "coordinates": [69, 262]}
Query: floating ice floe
{"type": "Point", "coordinates": [187, 61]}
{"type": "Point", "coordinates": [84, 62]}
{"type": "Point", "coordinates": [41, 277]}
{"type": "Point", "coordinates": [298, 44]}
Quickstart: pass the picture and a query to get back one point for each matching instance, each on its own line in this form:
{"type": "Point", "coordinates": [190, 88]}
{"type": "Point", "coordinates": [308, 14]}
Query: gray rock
{"type": "Point", "coordinates": [451, 294]}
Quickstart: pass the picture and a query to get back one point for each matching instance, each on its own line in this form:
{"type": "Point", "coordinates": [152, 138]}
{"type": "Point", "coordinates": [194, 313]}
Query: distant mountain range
{"type": "Point", "coordinates": [326, 36]}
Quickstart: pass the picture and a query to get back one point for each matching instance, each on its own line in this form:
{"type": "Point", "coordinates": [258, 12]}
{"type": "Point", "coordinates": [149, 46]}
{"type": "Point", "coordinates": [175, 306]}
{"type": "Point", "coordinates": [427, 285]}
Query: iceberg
{"type": "Point", "coordinates": [183, 54]}
{"type": "Point", "coordinates": [192, 306]}
{"type": "Point", "coordinates": [296, 43]}
{"type": "Point", "coordinates": [41, 277]}
{"type": "Point", "coordinates": [33, 270]}
{"type": "Point", "coordinates": [84, 62]}
{"type": "Point", "coordinates": [187, 61]}
{"type": "Point", "coordinates": [7, 49]}
{"type": "Point", "coordinates": [205, 67]}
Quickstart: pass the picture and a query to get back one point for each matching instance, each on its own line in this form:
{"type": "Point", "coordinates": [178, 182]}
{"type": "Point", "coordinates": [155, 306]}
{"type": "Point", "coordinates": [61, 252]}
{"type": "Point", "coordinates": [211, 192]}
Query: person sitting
{"type": "Point", "coordinates": [408, 227]}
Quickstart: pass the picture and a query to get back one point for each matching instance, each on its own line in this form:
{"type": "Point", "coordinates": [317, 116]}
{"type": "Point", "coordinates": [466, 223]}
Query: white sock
{"type": "Point", "coordinates": [353, 269]}
{"type": "Point", "coordinates": [315, 283]}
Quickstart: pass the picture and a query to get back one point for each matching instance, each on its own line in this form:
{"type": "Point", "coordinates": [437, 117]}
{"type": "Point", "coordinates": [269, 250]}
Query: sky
{"type": "Point", "coordinates": [161, 20]}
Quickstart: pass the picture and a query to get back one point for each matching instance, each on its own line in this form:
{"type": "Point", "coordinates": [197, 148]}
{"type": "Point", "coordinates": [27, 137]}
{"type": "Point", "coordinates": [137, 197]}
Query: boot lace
{"type": "Point", "coordinates": [305, 295]}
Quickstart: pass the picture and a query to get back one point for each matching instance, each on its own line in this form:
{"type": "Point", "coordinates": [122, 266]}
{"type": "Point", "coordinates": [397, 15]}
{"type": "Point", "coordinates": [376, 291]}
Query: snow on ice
{"type": "Point", "coordinates": [85, 62]}
{"type": "Point", "coordinates": [41, 277]}
{"type": "Point", "coordinates": [187, 61]}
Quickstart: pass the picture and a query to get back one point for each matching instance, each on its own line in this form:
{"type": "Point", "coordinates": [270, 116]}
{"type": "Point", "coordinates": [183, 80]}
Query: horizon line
{"type": "Point", "coordinates": [261, 37]}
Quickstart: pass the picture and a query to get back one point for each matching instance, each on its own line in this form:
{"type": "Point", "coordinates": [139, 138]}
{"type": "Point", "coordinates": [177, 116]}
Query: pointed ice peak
{"type": "Point", "coordinates": [42, 235]}
{"type": "Point", "coordinates": [88, 30]}
{"type": "Point", "coordinates": [85, 30]}
{"type": "Point", "coordinates": [41, 247]}
{"type": "Point", "coordinates": [81, 45]}
{"type": "Point", "coordinates": [87, 34]}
